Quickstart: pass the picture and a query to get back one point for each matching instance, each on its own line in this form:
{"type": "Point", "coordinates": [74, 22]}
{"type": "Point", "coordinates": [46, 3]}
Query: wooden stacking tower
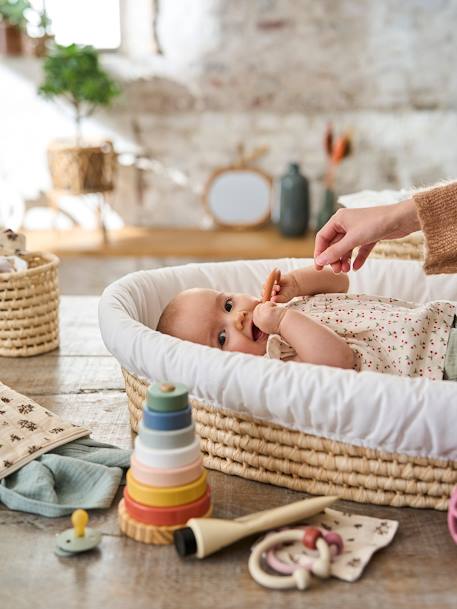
{"type": "Point", "coordinates": [166, 482]}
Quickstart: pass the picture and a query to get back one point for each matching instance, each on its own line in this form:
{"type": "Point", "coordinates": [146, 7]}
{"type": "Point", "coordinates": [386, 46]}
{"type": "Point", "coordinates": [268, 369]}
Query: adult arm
{"type": "Point", "coordinates": [437, 213]}
{"type": "Point", "coordinates": [433, 210]}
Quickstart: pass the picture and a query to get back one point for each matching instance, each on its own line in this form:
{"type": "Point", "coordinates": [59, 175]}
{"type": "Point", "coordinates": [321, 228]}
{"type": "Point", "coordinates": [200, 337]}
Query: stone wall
{"type": "Point", "coordinates": [266, 72]}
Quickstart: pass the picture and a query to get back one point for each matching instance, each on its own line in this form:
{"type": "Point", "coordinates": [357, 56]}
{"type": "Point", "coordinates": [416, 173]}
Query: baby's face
{"type": "Point", "coordinates": [216, 319]}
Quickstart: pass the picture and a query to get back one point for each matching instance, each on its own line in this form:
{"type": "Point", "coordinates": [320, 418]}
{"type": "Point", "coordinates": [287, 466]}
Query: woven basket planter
{"type": "Point", "coordinates": [82, 169]}
{"type": "Point", "coordinates": [235, 443]}
{"type": "Point", "coordinates": [29, 308]}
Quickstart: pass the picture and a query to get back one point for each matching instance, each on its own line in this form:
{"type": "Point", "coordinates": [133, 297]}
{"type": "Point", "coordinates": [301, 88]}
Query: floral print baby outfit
{"type": "Point", "coordinates": [386, 335]}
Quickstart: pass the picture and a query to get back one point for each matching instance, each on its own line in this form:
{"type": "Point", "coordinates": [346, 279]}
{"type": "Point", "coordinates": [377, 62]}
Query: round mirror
{"type": "Point", "coordinates": [239, 197]}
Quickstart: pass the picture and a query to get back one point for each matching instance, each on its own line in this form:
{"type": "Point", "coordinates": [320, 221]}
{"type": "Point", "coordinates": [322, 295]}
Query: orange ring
{"type": "Point", "coordinates": [167, 516]}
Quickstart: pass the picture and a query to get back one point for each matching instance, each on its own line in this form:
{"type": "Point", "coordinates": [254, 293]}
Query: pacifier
{"type": "Point", "coordinates": [78, 539]}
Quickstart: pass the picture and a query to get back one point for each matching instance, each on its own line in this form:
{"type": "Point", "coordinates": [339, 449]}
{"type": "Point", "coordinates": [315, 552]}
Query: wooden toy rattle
{"type": "Point", "coordinates": [273, 277]}
{"type": "Point", "coordinates": [78, 539]}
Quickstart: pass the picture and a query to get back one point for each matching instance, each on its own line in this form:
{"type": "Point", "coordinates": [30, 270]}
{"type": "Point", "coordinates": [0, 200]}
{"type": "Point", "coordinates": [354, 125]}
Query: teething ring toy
{"type": "Point", "coordinates": [333, 540]}
{"type": "Point", "coordinates": [269, 283]}
{"type": "Point", "coordinates": [452, 515]}
{"type": "Point", "coordinates": [300, 576]}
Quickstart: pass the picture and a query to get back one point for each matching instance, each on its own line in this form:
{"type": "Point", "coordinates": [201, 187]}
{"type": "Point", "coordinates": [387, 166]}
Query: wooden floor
{"type": "Point", "coordinates": [82, 383]}
{"type": "Point", "coordinates": [217, 244]}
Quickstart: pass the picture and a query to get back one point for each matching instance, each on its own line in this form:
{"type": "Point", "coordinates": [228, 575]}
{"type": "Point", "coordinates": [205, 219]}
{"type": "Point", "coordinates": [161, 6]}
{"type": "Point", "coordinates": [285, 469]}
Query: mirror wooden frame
{"type": "Point", "coordinates": [264, 220]}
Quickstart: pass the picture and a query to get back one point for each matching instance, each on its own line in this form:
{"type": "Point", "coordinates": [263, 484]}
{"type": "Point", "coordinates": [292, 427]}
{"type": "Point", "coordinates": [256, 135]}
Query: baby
{"type": "Point", "coordinates": [311, 318]}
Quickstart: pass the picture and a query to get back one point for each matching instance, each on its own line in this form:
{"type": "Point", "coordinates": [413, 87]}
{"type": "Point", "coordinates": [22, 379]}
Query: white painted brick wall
{"type": "Point", "coordinates": [263, 72]}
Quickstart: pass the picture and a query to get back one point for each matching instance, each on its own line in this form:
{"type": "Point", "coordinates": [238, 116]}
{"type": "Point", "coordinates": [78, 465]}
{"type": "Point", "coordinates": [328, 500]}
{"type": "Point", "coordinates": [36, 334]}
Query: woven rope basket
{"type": "Point", "coordinates": [29, 308]}
{"type": "Point", "coordinates": [235, 443]}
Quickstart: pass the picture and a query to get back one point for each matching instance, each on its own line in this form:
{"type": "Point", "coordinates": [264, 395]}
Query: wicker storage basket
{"type": "Point", "coordinates": [82, 169]}
{"type": "Point", "coordinates": [237, 444]}
{"type": "Point", "coordinates": [29, 308]}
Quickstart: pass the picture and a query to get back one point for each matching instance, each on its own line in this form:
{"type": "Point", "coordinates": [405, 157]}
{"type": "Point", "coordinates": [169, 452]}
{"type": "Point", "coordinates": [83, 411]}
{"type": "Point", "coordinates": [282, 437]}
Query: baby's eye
{"type": "Point", "coordinates": [221, 338]}
{"type": "Point", "coordinates": [228, 305]}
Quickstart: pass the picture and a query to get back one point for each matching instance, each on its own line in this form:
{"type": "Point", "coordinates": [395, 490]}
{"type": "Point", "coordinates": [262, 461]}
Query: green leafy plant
{"type": "Point", "coordinates": [13, 12]}
{"type": "Point", "coordinates": [74, 73]}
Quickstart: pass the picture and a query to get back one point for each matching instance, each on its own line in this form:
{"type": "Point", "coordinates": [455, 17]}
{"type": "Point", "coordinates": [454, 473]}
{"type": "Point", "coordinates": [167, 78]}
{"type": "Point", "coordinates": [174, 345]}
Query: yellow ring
{"type": "Point", "coordinates": [170, 496]}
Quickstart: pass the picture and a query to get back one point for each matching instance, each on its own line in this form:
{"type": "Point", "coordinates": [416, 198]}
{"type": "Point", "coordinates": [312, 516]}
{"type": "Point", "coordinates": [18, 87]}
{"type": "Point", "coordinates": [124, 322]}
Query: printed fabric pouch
{"type": "Point", "coordinates": [27, 430]}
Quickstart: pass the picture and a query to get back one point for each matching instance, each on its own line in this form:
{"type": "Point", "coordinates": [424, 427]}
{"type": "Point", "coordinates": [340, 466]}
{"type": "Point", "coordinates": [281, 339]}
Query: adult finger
{"type": "Point", "coordinates": [326, 236]}
{"type": "Point", "coordinates": [362, 255]}
{"type": "Point", "coordinates": [337, 250]}
{"type": "Point", "coordinates": [346, 262]}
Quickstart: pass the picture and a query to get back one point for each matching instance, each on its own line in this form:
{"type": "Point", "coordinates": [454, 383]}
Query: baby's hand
{"type": "Point", "coordinates": [285, 288]}
{"type": "Point", "coordinates": [267, 317]}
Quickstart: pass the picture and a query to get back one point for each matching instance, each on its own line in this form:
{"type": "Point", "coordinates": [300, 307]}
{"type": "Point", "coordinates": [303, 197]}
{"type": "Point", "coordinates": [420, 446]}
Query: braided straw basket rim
{"type": "Point", "coordinates": [236, 443]}
{"type": "Point", "coordinates": [51, 261]}
{"type": "Point", "coordinates": [29, 307]}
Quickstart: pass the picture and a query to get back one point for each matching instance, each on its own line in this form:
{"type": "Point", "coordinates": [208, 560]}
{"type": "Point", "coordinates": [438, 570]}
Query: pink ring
{"type": "Point", "coordinates": [154, 476]}
{"type": "Point", "coordinates": [452, 515]}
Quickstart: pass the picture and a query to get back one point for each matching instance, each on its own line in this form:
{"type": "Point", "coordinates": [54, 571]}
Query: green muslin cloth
{"type": "Point", "coordinates": [81, 474]}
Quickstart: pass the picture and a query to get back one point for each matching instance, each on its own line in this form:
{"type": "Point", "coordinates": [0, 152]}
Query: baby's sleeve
{"type": "Point", "coordinates": [278, 348]}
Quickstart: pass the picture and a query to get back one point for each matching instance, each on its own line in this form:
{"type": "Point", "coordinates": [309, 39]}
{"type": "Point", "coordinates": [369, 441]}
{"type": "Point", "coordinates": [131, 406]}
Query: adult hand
{"type": "Point", "coordinates": [350, 228]}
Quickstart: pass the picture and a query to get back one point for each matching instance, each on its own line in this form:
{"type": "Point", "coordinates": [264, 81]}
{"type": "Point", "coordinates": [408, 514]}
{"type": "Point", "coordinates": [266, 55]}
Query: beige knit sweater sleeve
{"type": "Point", "coordinates": [437, 211]}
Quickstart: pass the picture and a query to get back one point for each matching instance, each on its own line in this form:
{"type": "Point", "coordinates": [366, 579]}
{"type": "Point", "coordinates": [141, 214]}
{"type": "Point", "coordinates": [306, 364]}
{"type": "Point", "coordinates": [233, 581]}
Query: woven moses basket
{"type": "Point", "coordinates": [29, 308]}
{"type": "Point", "coordinates": [234, 443]}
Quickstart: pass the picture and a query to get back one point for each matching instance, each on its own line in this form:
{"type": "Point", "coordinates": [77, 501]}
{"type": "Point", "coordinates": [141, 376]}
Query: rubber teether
{"type": "Point", "coordinates": [273, 277]}
{"type": "Point", "coordinates": [452, 515]}
{"type": "Point", "coordinates": [78, 539]}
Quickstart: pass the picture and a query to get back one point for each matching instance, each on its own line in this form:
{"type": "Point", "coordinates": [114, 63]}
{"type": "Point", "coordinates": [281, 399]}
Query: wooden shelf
{"type": "Point", "coordinates": [215, 244]}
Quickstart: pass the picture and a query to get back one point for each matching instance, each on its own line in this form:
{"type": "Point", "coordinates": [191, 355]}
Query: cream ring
{"type": "Point", "coordinates": [300, 578]}
{"type": "Point", "coordinates": [165, 477]}
{"type": "Point", "coordinates": [166, 459]}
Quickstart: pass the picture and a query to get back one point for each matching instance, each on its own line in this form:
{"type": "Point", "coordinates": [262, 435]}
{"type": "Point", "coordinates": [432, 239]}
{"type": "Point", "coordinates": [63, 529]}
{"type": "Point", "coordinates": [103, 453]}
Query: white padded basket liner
{"type": "Point", "coordinates": [395, 414]}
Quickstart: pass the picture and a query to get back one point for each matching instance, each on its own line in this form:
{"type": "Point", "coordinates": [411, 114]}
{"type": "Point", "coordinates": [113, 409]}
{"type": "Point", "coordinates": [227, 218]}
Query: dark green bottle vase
{"type": "Point", "coordinates": [328, 208]}
{"type": "Point", "coordinates": [293, 203]}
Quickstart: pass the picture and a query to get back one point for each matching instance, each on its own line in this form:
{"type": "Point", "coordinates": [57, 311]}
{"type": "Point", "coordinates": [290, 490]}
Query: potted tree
{"type": "Point", "coordinates": [73, 73]}
{"type": "Point", "coordinates": [12, 25]}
